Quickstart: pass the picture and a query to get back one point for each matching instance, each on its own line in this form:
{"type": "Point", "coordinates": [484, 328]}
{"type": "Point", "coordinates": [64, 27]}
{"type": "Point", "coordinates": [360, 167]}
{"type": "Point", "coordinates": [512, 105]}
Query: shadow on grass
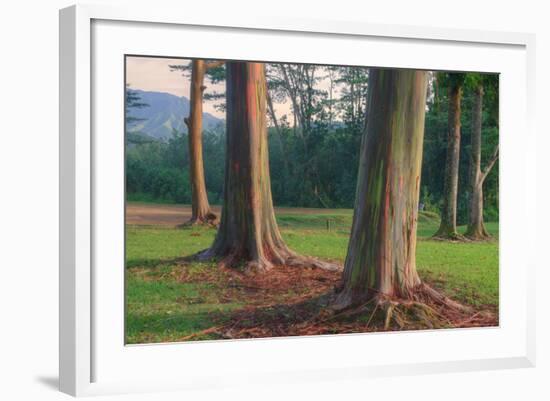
{"type": "Point", "coordinates": [156, 262]}
{"type": "Point", "coordinates": [236, 322]}
{"type": "Point", "coordinates": [172, 327]}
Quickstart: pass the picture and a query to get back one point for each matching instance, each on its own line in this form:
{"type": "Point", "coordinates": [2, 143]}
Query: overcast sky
{"type": "Point", "coordinates": [154, 74]}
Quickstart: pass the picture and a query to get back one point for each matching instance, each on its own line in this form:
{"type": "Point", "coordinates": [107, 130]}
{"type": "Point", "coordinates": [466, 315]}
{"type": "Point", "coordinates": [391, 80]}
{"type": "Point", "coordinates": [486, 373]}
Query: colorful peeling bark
{"type": "Point", "coordinates": [476, 228]}
{"type": "Point", "coordinates": [248, 231]}
{"type": "Point", "coordinates": [381, 252]}
{"type": "Point", "coordinates": [447, 228]}
{"type": "Point", "coordinates": [201, 212]}
{"type": "Point", "coordinates": [248, 234]}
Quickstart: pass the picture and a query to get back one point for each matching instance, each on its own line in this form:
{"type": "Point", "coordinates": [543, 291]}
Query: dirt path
{"type": "Point", "coordinates": [173, 215]}
{"type": "Point", "coordinates": [158, 215]}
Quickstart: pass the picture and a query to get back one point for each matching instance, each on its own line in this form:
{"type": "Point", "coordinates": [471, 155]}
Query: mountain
{"type": "Point", "coordinates": [164, 113]}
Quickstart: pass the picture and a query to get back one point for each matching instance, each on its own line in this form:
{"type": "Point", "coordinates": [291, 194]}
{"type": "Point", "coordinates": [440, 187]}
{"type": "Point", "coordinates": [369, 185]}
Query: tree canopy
{"type": "Point", "coordinates": [314, 147]}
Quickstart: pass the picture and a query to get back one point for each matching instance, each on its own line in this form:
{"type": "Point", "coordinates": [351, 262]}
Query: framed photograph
{"type": "Point", "coordinates": [279, 200]}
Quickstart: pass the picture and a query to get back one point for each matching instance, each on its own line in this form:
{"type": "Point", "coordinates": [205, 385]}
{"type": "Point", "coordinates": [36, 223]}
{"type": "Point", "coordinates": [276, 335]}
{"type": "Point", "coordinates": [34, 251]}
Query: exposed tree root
{"type": "Point", "coordinates": [378, 314]}
{"type": "Point", "coordinates": [385, 314]}
{"type": "Point", "coordinates": [261, 264]}
{"type": "Point", "coordinates": [432, 295]}
{"type": "Point", "coordinates": [295, 260]}
{"type": "Point", "coordinates": [292, 302]}
{"type": "Point", "coordinates": [425, 309]}
{"type": "Point", "coordinates": [210, 219]}
{"type": "Point", "coordinates": [452, 236]}
{"type": "Point", "coordinates": [478, 237]}
{"type": "Point", "coordinates": [235, 260]}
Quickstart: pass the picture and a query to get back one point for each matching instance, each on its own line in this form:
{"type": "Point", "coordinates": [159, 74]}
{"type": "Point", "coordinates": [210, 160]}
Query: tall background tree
{"type": "Point", "coordinates": [480, 84]}
{"type": "Point", "coordinates": [297, 83]}
{"type": "Point", "coordinates": [322, 134]}
{"type": "Point", "coordinates": [448, 226]}
{"type": "Point", "coordinates": [435, 147]}
{"type": "Point", "coordinates": [158, 170]}
{"type": "Point", "coordinates": [201, 213]}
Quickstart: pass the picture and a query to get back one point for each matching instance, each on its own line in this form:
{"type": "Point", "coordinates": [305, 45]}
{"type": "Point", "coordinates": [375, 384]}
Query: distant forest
{"type": "Point", "coordinates": [314, 156]}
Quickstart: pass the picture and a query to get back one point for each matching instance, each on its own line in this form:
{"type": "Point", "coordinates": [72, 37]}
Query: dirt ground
{"type": "Point", "coordinates": [173, 215]}
{"type": "Point", "coordinates": [289, 301]}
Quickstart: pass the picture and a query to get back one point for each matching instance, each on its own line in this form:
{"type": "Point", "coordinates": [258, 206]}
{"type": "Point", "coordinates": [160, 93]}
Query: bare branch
{"type": "Point", "coordinates": [490, 165]}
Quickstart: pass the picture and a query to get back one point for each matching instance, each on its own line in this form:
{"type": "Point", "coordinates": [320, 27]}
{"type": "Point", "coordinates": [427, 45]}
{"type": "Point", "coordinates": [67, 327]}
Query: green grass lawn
{"type": "Point", "coordinates": [161, 307]}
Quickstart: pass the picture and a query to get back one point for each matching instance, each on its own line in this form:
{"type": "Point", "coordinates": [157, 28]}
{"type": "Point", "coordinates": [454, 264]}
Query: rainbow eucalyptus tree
{"type": "Point", "coordinates": [380, 262]}
{"type": "Point", "coordinates": [447, 228]}
{"type": "Point", "coordinates": [200, 207]}
{"type": "Point", "coordinates": [476, 228]}
{"type": "Point", "coordinates": [248, 233]}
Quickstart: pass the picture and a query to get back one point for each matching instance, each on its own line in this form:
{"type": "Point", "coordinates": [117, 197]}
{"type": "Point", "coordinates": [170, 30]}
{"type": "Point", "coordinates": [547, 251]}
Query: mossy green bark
{"type": "Point", "coordinates": [381, 252]}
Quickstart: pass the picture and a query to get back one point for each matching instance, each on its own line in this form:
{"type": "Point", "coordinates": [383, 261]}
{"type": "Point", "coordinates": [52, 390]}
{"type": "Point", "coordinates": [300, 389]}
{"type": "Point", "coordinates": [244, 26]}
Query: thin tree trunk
{"type": "Point", "coordinates": [201, 212]}
{"type": "Point", "coordinates": [476, 228]}
{"type": "Point", "coordinates": [447, 228]}
{"type": "Point", "coordinates": [381, 252]}
{"type": "Point", "coordinates": [248, 233]}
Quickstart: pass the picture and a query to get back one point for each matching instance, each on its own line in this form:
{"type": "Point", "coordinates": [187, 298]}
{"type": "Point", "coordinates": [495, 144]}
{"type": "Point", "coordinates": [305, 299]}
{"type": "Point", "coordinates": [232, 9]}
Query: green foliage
{"type": "Point", "coordinates": [138, 138]}
{"type": "Point", "coordinates": [132, 101]}
{"type": "Point", "coordinates": [213, 75]}
{"type": "Point", "coordinates": [159, 171]}
{"type": "Point", "coordinates": [149, 173]}
{"type": "Point", "coordinates": [314, 164]}
{"type": "Point", "coordinates": [435, 143]}
{"type": "Point", "coordinates": [454, 79]}
{"type": "Point", "coordinates": [428, 201]}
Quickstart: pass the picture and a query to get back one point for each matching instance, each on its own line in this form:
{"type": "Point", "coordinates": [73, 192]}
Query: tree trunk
{"type": "Point", "coordinates": [381, 252]}
{"type": "Point", "coordinates": [476, 228]}
{"type": "Point", "coordinates": [447, 228]}
{"type": "Point", "coordinates": [201, 212]}
{"type": "Point", "coordinates": [248, 233]}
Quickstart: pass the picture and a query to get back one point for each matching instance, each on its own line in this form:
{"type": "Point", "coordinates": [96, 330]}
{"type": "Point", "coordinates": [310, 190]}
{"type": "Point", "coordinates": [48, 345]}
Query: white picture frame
{"type": "Point", "coordinates": [85, 339]}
